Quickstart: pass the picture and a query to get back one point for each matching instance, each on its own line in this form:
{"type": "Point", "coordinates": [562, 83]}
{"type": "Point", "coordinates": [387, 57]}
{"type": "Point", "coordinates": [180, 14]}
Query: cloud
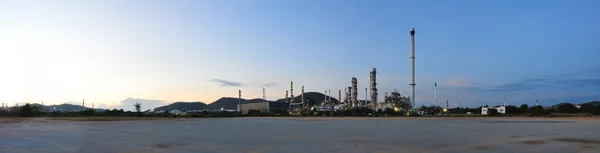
{"type": "Point", "coordinates": [457, 83]}
{"type": "Point", "coordinates": [270, 85]}
{"type": "Point", "coordinates": [517, 86]}
{"type": "Point", "coordinates": [262, 84]}
{"type": "Point", "coordinates": [570, 80]}
{"type": "Point", "coordinates": [225, 83]}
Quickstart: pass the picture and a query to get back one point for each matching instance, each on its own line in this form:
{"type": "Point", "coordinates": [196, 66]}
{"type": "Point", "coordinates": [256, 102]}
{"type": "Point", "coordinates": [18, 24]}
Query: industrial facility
{"type": "Point", "coordinates": [394, 101]}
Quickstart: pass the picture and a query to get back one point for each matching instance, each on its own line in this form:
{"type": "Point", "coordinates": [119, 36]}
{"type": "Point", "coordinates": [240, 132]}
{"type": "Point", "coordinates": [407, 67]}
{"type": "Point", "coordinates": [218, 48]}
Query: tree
{"type": "Point", "coordinates": [567, 108]}
{"type": "Point", "coordinates": [524, 108]}
{"type": "Point", "coordinates": [28, 111]}
{"type": "Point", "coordinates": [138, 106]}
{"type": "Point", "coordinates": [512, 109]}
{"type": "Point", "coordinates": [537, 110]}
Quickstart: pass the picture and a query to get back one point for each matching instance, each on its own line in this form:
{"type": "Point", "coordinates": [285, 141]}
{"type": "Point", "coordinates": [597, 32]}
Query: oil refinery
{"type": "Point", "coordinates": [394, 100]}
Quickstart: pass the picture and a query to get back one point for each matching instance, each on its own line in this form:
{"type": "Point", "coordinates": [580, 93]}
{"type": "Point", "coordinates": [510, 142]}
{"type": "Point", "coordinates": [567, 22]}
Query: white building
{"type": "Point", "coordinates": [176, 112]}
{"type": "Point", "coordinates": [500, 109]}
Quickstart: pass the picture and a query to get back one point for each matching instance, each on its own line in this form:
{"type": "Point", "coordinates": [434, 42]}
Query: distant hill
{"type": "Point", "coordinates": [558, 105]}
{"type": "Point", "coordinates": [593, 103]}
{"type": "Point", "coordinates": [316, 96]}
{"type": "Point", "coordinates": [63, 108]}
{"type": "Point", "coordinates": [230, 103]}
{"type": "Point", "coordinates": [182, 106]}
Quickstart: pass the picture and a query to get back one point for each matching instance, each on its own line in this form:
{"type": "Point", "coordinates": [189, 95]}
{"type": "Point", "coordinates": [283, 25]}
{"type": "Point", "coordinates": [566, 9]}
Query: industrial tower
{"type": "Point", "coordinates": [412, 68]}
{"type": "Point", "coordinates": [354, 92]}
{"type": "Point", "coordinates": [373, 79]}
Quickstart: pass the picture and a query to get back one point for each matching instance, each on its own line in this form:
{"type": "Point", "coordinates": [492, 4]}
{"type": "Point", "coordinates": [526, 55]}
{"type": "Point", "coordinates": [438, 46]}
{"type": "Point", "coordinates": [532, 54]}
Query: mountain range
{"type": "Point", "coordinates": [231, 102]}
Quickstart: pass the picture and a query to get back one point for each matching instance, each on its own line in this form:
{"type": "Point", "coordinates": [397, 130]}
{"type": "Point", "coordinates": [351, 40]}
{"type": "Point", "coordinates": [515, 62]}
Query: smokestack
{"type": "Point", "coordinates": [325, 96]}
{"type": "Point", "coordinates": [435, 94]}
{"type": "Point", "coordinates": [302, 94]}
{"type": "Point", "coordinates": [292, 92]}
{"type": "Point", "coordinates": [366, 95]}
{"type": "Point", "coordinates": [537, 103]}
{"type": "Point", "coordinates": [239, 100]}
{"type": "Point", "coordinates": [340, 96]}
{"type": "Point", "coordinates": [354, 92]}
{"type": "Point", "coordinates": [286, 97]}
{"type": "Point", "coordinates": [412, 68]}
{"type": "Point", "coordinates": [329, 96]}
{"type": "Point", "coordinates": [264, 94]}
{"type": "Point", "coordinates": [446, 103]}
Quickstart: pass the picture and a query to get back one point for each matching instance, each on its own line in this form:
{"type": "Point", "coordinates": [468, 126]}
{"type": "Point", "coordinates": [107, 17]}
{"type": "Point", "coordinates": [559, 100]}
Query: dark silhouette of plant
{"type": "Point", "coordinates": [138, 107]}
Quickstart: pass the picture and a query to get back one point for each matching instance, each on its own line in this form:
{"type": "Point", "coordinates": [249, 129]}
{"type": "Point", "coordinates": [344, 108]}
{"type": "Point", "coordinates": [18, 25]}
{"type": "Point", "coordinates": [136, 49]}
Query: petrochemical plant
{"type": "Point", "coordinates": [350, 101]}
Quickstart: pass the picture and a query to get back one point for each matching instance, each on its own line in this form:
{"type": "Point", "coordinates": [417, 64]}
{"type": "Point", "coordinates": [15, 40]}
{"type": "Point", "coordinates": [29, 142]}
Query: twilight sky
{"type": "Point", "coordinates": [115, 52]}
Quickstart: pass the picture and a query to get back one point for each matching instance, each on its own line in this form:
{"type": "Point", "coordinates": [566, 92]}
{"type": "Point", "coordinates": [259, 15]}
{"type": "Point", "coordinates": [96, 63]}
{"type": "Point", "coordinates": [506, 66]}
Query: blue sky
{"type": "Point", "coordinates": [479, 52]}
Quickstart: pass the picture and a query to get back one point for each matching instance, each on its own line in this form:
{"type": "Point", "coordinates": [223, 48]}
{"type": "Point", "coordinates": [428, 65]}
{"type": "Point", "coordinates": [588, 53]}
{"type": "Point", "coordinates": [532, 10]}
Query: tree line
{"type": "Point", "coordinates": [564, 109]}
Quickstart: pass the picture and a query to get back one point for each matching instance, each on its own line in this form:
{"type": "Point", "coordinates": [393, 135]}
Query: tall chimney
{"type": "Point", "coordinates": [340, 96]}
{"type": "Point", "coordinates": [366, 96]}
{"type": "Point", "coordinates": [325, 96]}
{"type": "Point", "coordinates": [412, 68]}
{"type": "Point", "coordinates": [329, 92]}
{"type": "Point", "coordinates": [302, 94]}
{"type": "Point", "coordinates": [239, 100]}
{"type": "Point", "coordinates": [435, 94]}
{"type": "Point", "coordinates": [264, 94]}
{"type": "Point", "coordinates": [292, 92]}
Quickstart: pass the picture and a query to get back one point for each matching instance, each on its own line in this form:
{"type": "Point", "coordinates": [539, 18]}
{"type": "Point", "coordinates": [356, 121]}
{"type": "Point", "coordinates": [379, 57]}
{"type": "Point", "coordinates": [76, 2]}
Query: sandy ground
{"type": "Point", "coordinates": [300, 134]}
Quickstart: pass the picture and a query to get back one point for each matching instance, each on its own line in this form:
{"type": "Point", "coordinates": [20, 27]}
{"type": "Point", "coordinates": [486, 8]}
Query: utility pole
{"type": "Point", "coordinates": [435, 94]}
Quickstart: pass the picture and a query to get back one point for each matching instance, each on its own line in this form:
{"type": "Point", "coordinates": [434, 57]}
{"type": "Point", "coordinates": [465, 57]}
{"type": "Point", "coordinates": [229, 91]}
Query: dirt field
{"type": "Point", "coordinates": [300, 134]}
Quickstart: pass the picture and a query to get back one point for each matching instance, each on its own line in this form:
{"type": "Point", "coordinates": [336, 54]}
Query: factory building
{"type": "Point", "coordinates": [500, 109]}
{"type": "Point", "coordinates": [264, 106]}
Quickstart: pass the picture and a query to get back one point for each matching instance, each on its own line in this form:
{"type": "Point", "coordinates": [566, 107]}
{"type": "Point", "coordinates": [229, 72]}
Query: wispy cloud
{"type": "Point", "coordinates": [458, 83]}
{"type": "Point", "coordinates": [225, 83]}
{"type": "Point", "coordinates": [561, 80]}
{"type": "Point", "coordinates": [270, 85]}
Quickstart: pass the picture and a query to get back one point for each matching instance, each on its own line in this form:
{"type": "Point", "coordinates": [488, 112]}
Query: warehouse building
{"type": "Point", "coordinates": [264, 106]}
